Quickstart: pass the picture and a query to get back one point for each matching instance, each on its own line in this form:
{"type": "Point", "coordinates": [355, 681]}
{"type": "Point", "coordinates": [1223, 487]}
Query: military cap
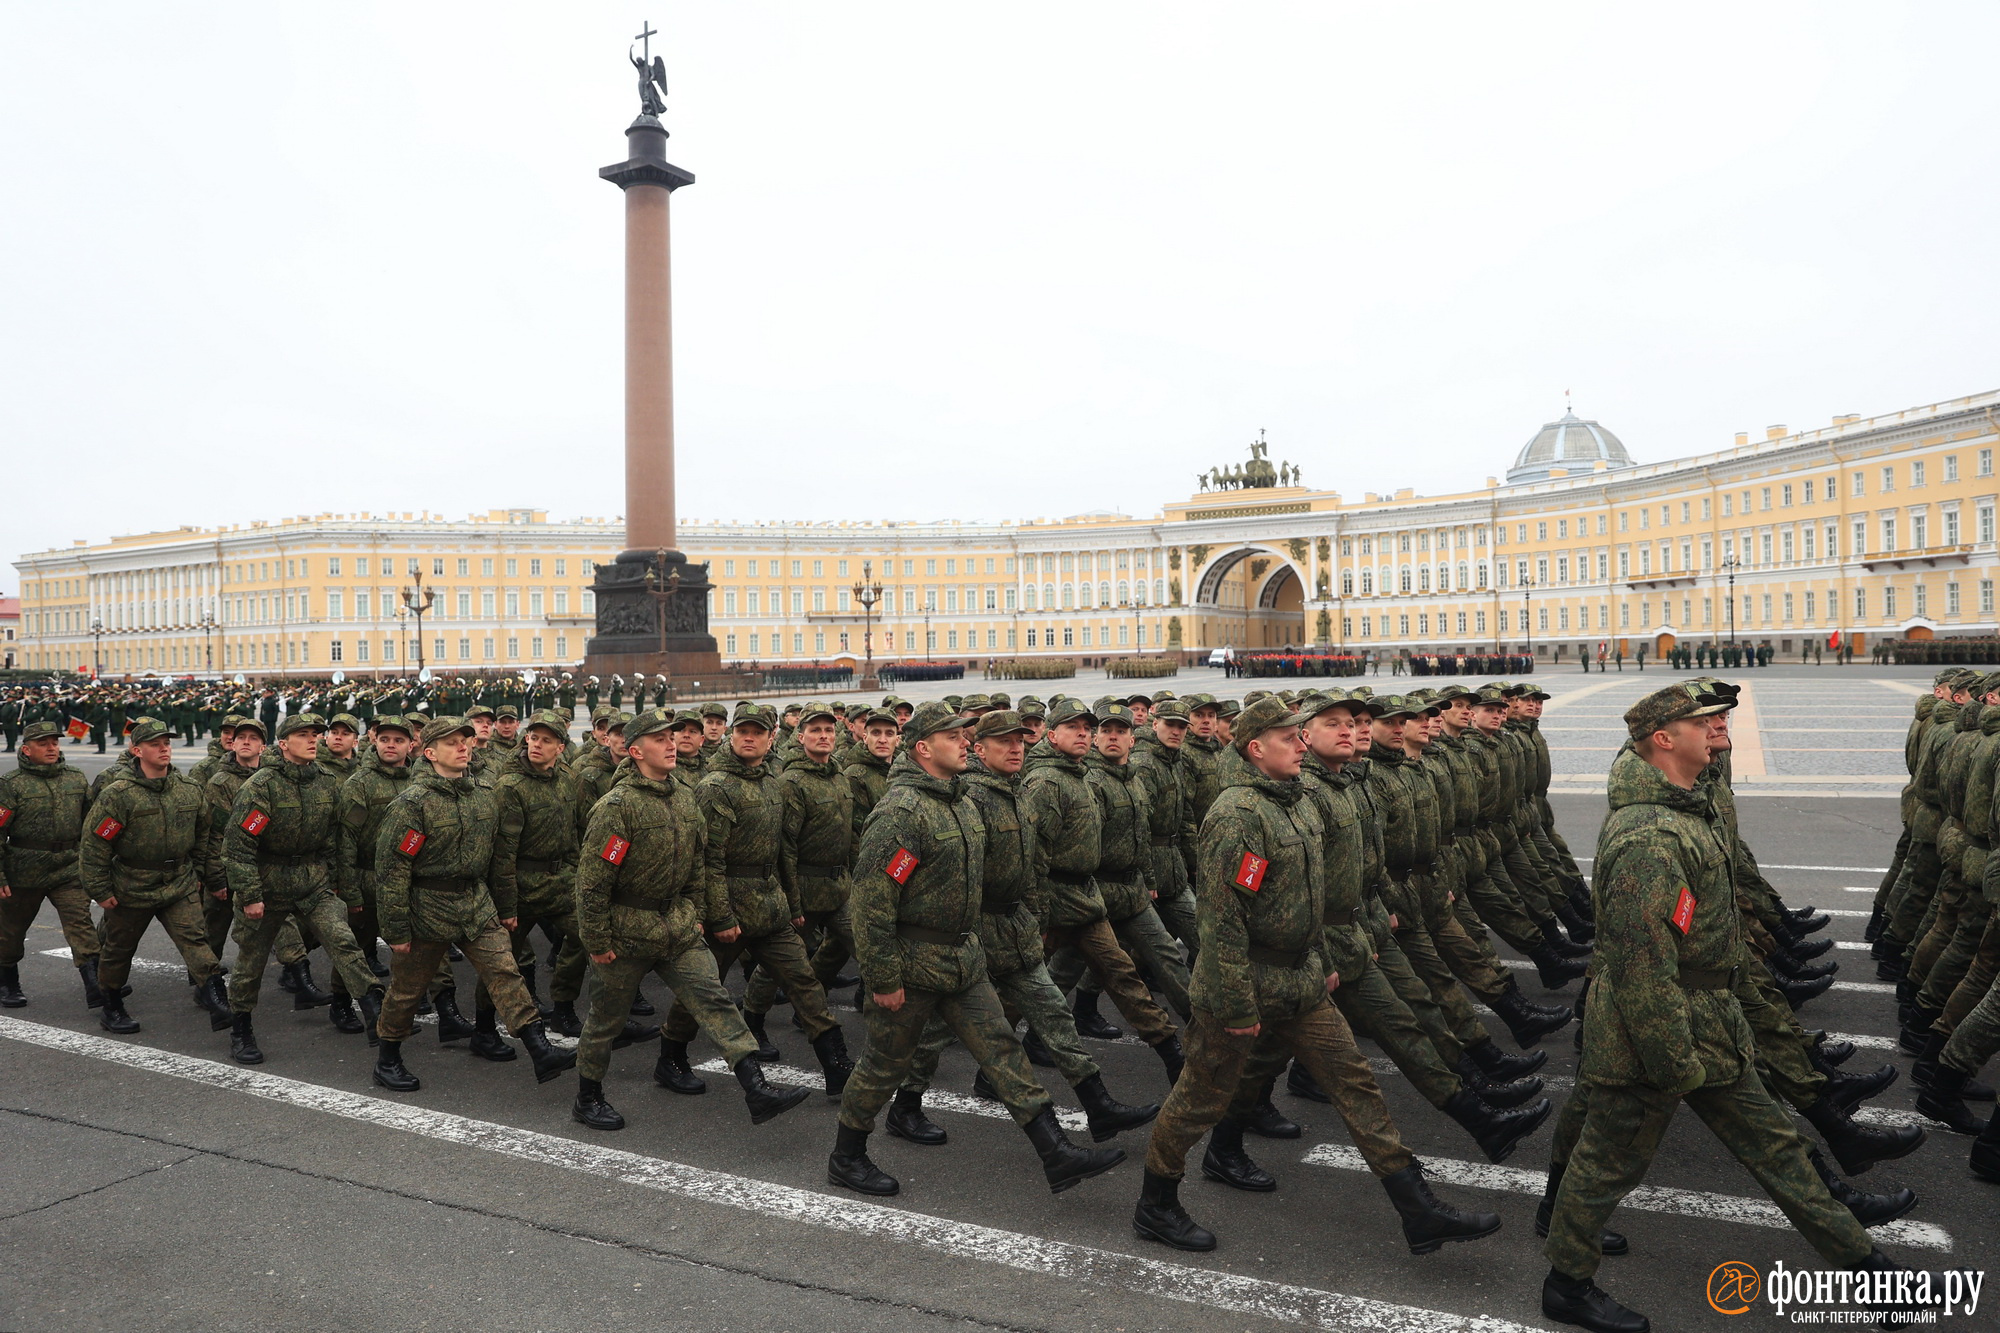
{"type": "Point", "coordinates": [1030, 706]}
{"type": "Point", "coordinates": [811, 711]}
{"type": "Point", "coordinates": [1267, 714]}
{"type": "Point", "coordinates": [618, 722]}
{"type": "Point", "coordinates": [1489, 694]}
{"type": "Point", "coordinates": [149, 729]}
{"type": "Point", "coordinates": [1447, 693]}
{"type": "Point", "coordinates": [999, 722]}
{"type": "Point", "coordinates": [858, 712]}
{"type": "Point", "coordinates": [755, 715]}
{"type": "Point", "coordinates": [550, 718]}
{"type": "Point", "coordinates": [1946, 676]}
{"type": "Point", "coordinates": [891, 700]}
{"type": "Point", "coordinates": [250, 724]}
{"type": "Point", "coordinates": [1394, 705]}
{"type": "Point", "coordinates": [507, 710]}
{"type": "Point", "coordinates": [1671, 704]}
{"type": "Point", "coordinates": [1170, 710]}
{"type": "Point", "coordinates": [792, 710]}
{"type": "Point", "coordinates": [715, 708]}
{"type": "Point", "coordinates": [1315, 704]}
{"type": "Point", "coordinates": [931, 718]}
{"type": "Point", "coordinates": [1161, 696]}
{"type": "Point", "coordinates": [602, 711]}
{"type": "Point", "coordinates": [38, 731]}
{"type": "Point", "coordinates": [1140, 697]}
{"type": "Point", "coordinates": [1000, 699]}
{"type": "Point", "coordinates": [1067, 710]}
{"type": "Point", "coordinates": [1527, 689]}
{"type": "Point", "coordinates": [883, 715]}
{"type": "Point", "coordinates": [232, 721]}
{"type": "Point", "coordinates": [1227, 708]}
{"type": "Point", "coordinates": [1421, 695]}
{"type": "Point", "coordinates": [390, 722]}
{"type": "Point", "coordinates": [1253, 696]}
{"type": "Point", "coordinates": [1362, 692]}
{"type": "Point", "coordinates": [1104, 701]}
{"type": "Point", "coordinates": [648, 722]}
{"type": "Point", "coordinates": [1116, 712]}
{"type": "Point", "coordinates": [348, 720]}
{"type": "Point", "coordinates": [444, 728]}
{"type": "Point", "coordinates": [955, 700]}
{"type": "Point", "coordinates": [1197, 702]}
{"type": "Point", "coordinates": [686, 717]}
{"type": "Point", "coordinates": [975, 703]}
{"type": "Point", "coordinates": [300, 722]}
{"type": "Point", "coordinates": [477, 710]}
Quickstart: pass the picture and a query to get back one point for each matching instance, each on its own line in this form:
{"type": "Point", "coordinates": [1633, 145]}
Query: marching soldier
{"type": "Point", "coordinates": [42, 805]}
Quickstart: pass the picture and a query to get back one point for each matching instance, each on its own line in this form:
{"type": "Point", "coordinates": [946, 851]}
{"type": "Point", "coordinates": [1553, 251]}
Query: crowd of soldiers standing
{"type": "Point", "coordinates": [1252, 883]}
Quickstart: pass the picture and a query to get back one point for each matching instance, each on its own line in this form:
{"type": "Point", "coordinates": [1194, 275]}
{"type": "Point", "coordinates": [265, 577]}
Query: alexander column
{"type": "Point", "coordinates": [652, 605]}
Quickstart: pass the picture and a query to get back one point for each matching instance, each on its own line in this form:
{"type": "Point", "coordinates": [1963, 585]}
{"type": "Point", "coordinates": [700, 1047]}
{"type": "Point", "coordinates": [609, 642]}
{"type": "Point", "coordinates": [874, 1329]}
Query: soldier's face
{"type": "Point", "coordinates": [44, 751]}
{"type": "Point", "coordinates": [450, 755]}
{"type": "Point", "coordinates": [155, 756]}
{"type": "Point", "coordinates": [881, 739]}
{"type": "Point", "coordinates": [1171, 731]}
{"type": "Point", "coordinates": [1072, 737]}
{"type": "Point", "coordinates": [1489, 718]}
{"type": "Point", "coordinates": [1277, 753]}
{"type": "Point", "coordinates": [544, 747]}
{"type": "Point", "coordinates": [687, 739]}
{"type": "Point", "coordinates": [1114, 741]}
{"type": "Point", "coordinates": [482, 726]}
{"type": "Point", "coordinates": [508, 727]}
{"type": "Point", "coordinates": [1718, 733]}
{"type": "Point", "coordinates": [750, 741]}
{"type": "Point", "coordinates": [1532, 707]}
{"type": "Point", "coordinates": [712, 728]}
{"type": "Point", "coordinates": [1003, 755]}
{"type": "Point", "coordinates": [942, 753]}
{"type": "Point", "coordinates": [1330, 735]}
{"type": "Point", "coordinates": [656, 754]}
{"type": "Point", "coordinates": [614, 741]}
{"type": "Point", "coordinates": [393, 747]}
{"type": "Point", "coordinates": [249, 746]}
{"type": "Point", "coordinates": [1388, 731]}
{"type": "Point", "coordinates": [1036, 728]}
{"type": "Point", "coordinates": [1202, 722]}
{"type": "Point", "coordinates": [817, 738]}
{"type": "Point", "coordinates": [300, 746]}
{"type": "Point", "coordinates": [342, 741]}
{"type": "Point", "coordinates": [1141, 710]}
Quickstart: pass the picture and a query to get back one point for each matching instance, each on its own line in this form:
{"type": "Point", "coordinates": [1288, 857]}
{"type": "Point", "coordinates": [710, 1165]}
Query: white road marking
{"type": "Point", "coordinates": [1864, 1042]}
{"type": "Point", "coordinates": [1852, 944]}
{"type": "Point", "coordinates": [1890, 1117]}
{"type": "Point", "coordinates": [1308, 1306]}
{"type": "Point", "coordinates": [1862, 888]}
{"type": "Point", "coordinates": [1646, 1198]}
{"type": "Point", "coordinates": [935, 1099]}
{"type": "Point", "coordinates": [1866, 987]}
{"type": "Point", "coordinates": [138, 964]}
{"type": "Point", "coordinates": [1766, 865]}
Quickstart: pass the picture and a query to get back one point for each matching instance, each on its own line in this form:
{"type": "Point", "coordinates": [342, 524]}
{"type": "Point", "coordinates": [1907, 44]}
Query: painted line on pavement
{"type": "Point", "coordinates": [1892, 1118]}
{"type": "Point", "coordinates": [935, 1099]}
{"type": "Point", "coordinates": [1863, 1042]}
{"type": "Point", "coordinates": [1646, 1198]}
{"type": "Point", "coordinates": [1866, 987]}
{"type": "Point", "coordinates": [1766, 865]}
{"type": "Point", "coordinates": [1309, 1306]}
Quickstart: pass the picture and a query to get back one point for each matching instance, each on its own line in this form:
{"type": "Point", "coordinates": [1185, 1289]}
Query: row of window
{"type": "Point", "coordinates": [754, 643]}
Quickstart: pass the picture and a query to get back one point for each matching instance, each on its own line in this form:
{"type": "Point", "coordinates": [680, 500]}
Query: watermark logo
{"type": "Point", "coordinates": [1733, 1287]}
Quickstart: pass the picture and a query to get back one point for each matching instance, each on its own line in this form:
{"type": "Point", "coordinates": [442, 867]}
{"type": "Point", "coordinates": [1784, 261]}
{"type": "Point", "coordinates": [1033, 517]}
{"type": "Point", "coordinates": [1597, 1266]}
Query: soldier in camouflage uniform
{"type": "Point", "coordinates": [643, 901]}
{"type": "Point", "coordinates": [42, 805]}
{"type": "Point", "coordinates": [364, 796]}
{"type": "Point", "coordinates": [1663, 1025]}
{"type": "Point", "coordinates": [687, 733]}
{"type": "Point", "coordinates": [743, 807]}
{"type": "Point", "coordinates": [505, 742]}
{"type": "Point", "coordinates": [867, 771]}
{"type": "Point", "coordinates": [339, 755]}
{"type": "Point", "coordinates": [1157, 758]}
{"type": "Point", "coordinates": [917, 898]}
{"type": "Point", "coordinates": [143, 860]}
{"type": "Point", "coordinates": [432, 856]}
{"type": "Point", "coordinates": [1260, 981]}
{"type": "Point", "coordinates": [279, 855]}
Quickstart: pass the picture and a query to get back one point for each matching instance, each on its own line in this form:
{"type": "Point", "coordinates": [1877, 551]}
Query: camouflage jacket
{"type": "Point", "coordinates": [41, 825]}
{"type": "Point", "coordinates": [1071, 828]}
{"type": "Point", "coordinates": [816, 834]}
{"type": "Point", "coordinates": [364, 797]}
{"type": "Point", "coordinates": [919, 871]}
{"type": "Point", "coordinates": [280, 842]}
{"type": "Point", "coordinates": [745, 811]}
{"type": "Point", "coordinates": [869, 777]}
{"type": "Point", "coordinates": [335, 767]}
{"type": "Point", "coordinates": [1668, 934]}
{"type": "Point", "coordinates": [1007, 928]}
{"type": "Point", "coordinates": [126, 766]}
{"type": "Point", "coordinates": [1454, 754]}
{"type": "Point", "coordinates": [1125, 840]}
{"type": "Point", "coordinates": [535, 840]}
{"type": "Point", "coordinates": [590, 777]}
{"type": "Point", "coordinates": [1201, 758]}
{"type": "Point", "coordinates": [1260, 903]}
{"type": "Point", "coordinates": [1169, 813]}
{"type": "Point", "coordinates": [1346, 941]}
{"type": "Point", "coordinates": [220, 791]}
{"type": "Point", "coordinates": [144, 841]}
{"type": "Point", "coordinates": [1483, 753]}
{"type": "Point", "coordinates": [432, 851]}
{"type": "Point", "coordinates": [205, 767]}
{"type": "Point", "coordinates": [642, 890]}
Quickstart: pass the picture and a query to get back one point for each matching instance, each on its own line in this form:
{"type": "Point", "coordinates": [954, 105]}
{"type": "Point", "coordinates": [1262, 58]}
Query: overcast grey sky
{"type": "Point", "coordinates": [963, 261]}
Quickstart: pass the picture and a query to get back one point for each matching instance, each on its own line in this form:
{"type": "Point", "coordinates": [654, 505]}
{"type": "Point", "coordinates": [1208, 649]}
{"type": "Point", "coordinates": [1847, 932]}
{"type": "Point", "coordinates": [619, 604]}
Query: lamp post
{"type": "Point", "coordinates": [1527, 613]}
{"type": "Point", "coordinates": [930, 605]}
{"type": "Point", "coordinates": [662, 593]}
{"type": "Point", "coordinates": [97, 652]}
{"type": "Point", "coordinates": [867, 593]}
{"type": "Point", "coordinates": [403, 631]}
{"type": "Point", "coordinates": [1730, 565]}
{"type": "Point", "coordinates": [208, 642]}
{"type": "Point", "coordinates": [418, 599]}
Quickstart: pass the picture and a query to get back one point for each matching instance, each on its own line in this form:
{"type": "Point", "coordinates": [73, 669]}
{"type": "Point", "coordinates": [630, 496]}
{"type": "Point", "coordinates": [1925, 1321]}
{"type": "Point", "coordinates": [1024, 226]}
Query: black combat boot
{"type": "Point", "coordinates": [1555, 970]}
{"type": "Point", "coordinates": [371, 1010]}
{"type": "Point", "coordinates": [1985, 1160]}
{"type": "Point", "coordinates": [1807, 950]}
{"type": "Point", "coordinates": [1168, 1048]}
{"type": "Point", "coordinates": [1226, 1163]}
{"type": "Point", "coordinates": [1037, 1051]}
{"type": "Point", "coordinates": [1870, 1210]}
{"type": "Point", "coordinates": [372, 956]}
{"type": "Point", "coordinates": [1858, 1147]}
{"type": "Point", "coordinates": [453, 1025]}
{"type": "Point", "coordinates": [86, 972]}
{"type": "Point", "coordinates": [766, 1052]}
{"type": "Point", "coordinates": [10, 986]}
{"type": "Point", "coordinates": [641, 1005]}
{"type": "Point", "coordinates": [906, 1120]}
{"type": "Point", "coordinates": [1501, 1067]}
{"type": "Point", "coordinates": [1267, 1121]}
{"type": "Point", "coordinates": [1578, 1300]}
{"type": "Point", "coordinates": [1529, 1023]}
{"type": "Point", "coordinates": [765, 1102]}
{"type": "Point", "coordinates": [562, 1018]}
{"type": "Point", "coordinates": [1796, 993]}
{"type": "Point", "coordinates": [1496, 1132]}
{"type": "Point", "coordinates": [1160, 1216]}
{"type": "Point", "coordinates": [1807, 920]}
{"type": "Point", "coordinates": [1502, 1096]}
{"type": "Point", "coordinates": [1428, 1222]}
{"type": "Point", "coordinates": [1942, 1102]}
{"type": "Point", "coordinates": [1848, 1091]}
{"type": "Point", "coordinates": [848, 1165]}
{"type": "Point", "coordinates": [341, 1014]}
{"type": "Point", "coordinates": [1916, 1030]}
{"type": "Point", "coordinates": [213, 995]}
{"type": "Point", "coordinates": [633, 1033]}
{"type": "Point", "coordinates": [548, 1058]}
{"type": "Point", "coordinates": [389, 1071]}
{"type": "Point", "coordinates": [831, 1048]}
{"type": "Point", "coordinates": [1830, 1054]}
{"type": "Point", "coordinates": [672, 1071]}
{"type": "Point", "coordinates": [487, 1043]}
{"type": "Point", "coordinates": [982, 1087]}
{"type": "Point", "coordinates": [112, 1017]}
{"type": "Point", "coordinates": [1300, 1083]}
{"type": "Point", "coordinates": [1609, 1242]}
{"type": "Point", "coordinates": [1107, 1115]}
{"type": "Point", "coordinates": [1090, 1023]}
{"type": "Point", "coordinates": [1927, 1063]}
{"type": "Point", "coordinates": [1063, 1163]}
{"type": "Point", "coordinates": [1581, 931]}
{"type": "Point", "coordinates": [243, 1042]}
{"type": "Point", "coordinates": [306, 993]}
{"type": "Point", "coordinates": [591, 1109]}
{"type": "Point", "coordinates": [528, 980]}
{"type": "Point", "coordinates": [1800, 970]}
{"type": "Point", "coordinates": [1563, 946]}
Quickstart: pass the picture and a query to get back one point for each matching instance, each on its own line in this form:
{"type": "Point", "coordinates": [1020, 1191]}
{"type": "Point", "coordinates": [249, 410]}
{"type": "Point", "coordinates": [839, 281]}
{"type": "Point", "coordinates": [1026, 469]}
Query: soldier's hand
{"type": "Point", "coordinates": [892, 1001]}
{"type": "Point", "coordinates": [253, 911]}
{"type": "Point", "coordinates": [1450, 897]}
{"type": "Point", "coordinates": [1332, 982]}
{"type": "Point", "coordinates": [608, 956]}
{"type": "Point", "coordinates": [109, 903]}
{"type": "Point", "coordinates": [5, 892]}
{"type": "Point", "coordinates": [1250, 1031]}
{"type": "Point", "coordinates": [511, 922]}
{"type": "Point", "coordinates": [399, 948]}
{"type": "Point", "coordinates": [729, 936]}
{"type": "Point", "coordinates": [1394, 922]}
{"type": "Point", "coordinates": [798, 923]}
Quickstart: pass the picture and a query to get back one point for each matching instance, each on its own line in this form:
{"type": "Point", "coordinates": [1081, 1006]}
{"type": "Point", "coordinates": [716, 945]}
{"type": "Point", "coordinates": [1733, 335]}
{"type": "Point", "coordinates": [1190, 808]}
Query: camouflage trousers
{"type": "Point", "coordinates": [1948, 947]}
{"type": "Point", "coordinates": [123, 927]}
{"type": "Point", "coordinates": [1910, 899]}
{"type": "Point", "coordinates": [783, 954]}
{"type": "Point", "coordinates": [1784, 1052]}
{"type": "Point", "coordinates": [557, 918]}
{"type": "Point", "coordinates": [1622, 1128]}
{"type": "Point", "coordinates": [835, 930]}
{"type": "Point", "coordinates": [488, 948]}
{"type": "Point", "coordinates": [1978, 979]}
{"type": "Point", "coordinates": [1112, 971]}
{"type": "Point", "coordinates": [1225, 1075]}
{"type": "Point", "coordinates": [1031, 995]}
{"type": "Point", "coordinates": [1149, 945]}
{"type": "Point", "coordinates": [1975, 1037]}
{"type": "Point", "coordinates": [218, 918]}
{"type": "Point", "coordinates": [254, 940]}
{"type": "Point", "coordinates": [364, 925]}
{"type": "Point", "coordinates": [697, 987]}
{"type": "Point", "coordinates": [975, 1017]}
{"type": "Point", "coordinates": [1537, 884]}
{"type": "Point", "coordinates": [1376, 997]}
{"type": "Point", "coordinates": [72, 904]}
{"type": "Point", "coordinates": [1492, 899]}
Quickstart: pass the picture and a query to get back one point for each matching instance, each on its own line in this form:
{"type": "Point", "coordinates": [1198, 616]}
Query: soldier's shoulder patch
{"type": "Point", "coordinates": [412, 841]}
{"type": "Point", "coordinates": [255, 822]}
{"type": "Point", "coordinates": [901, 866]}
{"type": "Point", "coordinates": [6, 816]}
{"type": "Point", "coordinates": [1683, 917]}
{"type": "Point", "coordinates": [614, 850]}
{"type": "Point", "coordinates": [1250, 871]}
{"type": "Point", "coordinates": [108, 829]}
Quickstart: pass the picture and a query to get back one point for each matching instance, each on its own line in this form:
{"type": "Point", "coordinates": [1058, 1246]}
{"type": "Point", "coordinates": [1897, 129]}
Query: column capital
{"type": "Point", "coordinates": [648, 164]}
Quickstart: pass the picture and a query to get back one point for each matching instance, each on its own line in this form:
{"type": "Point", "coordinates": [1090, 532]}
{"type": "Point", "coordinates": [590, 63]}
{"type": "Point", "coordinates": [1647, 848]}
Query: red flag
{"type": "Point", "coordinates": [78, 728]}
{"type": "Point", "coordinates": [1834, 642]}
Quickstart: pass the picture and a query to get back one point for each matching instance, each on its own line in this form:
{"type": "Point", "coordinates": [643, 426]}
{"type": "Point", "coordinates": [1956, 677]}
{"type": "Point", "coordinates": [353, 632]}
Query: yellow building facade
{"type": "Point", "coordinates": [1872, 527]}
